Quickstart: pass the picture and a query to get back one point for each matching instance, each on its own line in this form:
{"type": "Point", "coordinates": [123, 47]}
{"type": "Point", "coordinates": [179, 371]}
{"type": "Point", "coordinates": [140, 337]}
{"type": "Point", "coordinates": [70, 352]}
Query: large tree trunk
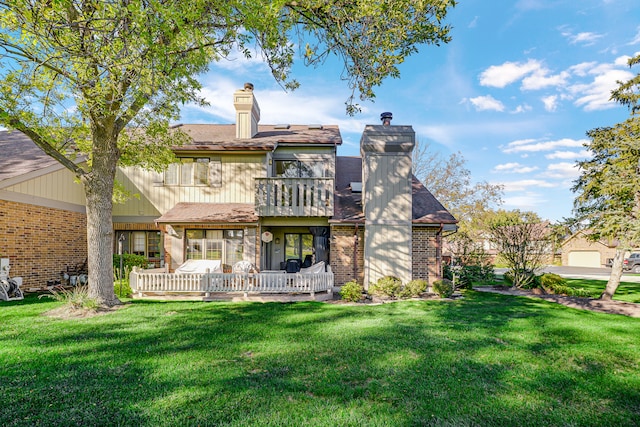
{"type": "Point", "coordinates": [614, 278]}
{"type": "Point", "coordinates": [98, 186]}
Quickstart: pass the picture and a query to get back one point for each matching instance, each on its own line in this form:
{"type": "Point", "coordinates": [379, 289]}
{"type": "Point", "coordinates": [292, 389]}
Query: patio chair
{"type": "Point", "coordinates": [293, 265]}
{"type": "Point", "coordinates": [10, 289]}
{"type": "Point", "coordinates": [242, 267]}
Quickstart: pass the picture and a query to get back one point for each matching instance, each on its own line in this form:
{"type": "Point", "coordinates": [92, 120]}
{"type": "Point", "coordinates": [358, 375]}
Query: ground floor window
{"type": "Point", "coordinates": [224, 245]}
{"type": "Point", "coordinates": [145, 243]}
{"type": "Point", "coordinates": [298, 245]}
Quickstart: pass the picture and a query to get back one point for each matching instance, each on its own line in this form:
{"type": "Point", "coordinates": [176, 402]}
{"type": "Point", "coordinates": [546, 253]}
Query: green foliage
{"type": "Point", "coordinates": [122, 288]}
{"type": "Point", "coordinates": [387, 286]}
{"type": "Point", "coordinates": [470, 274]}
{"type": "Point", "coordinates": [556, 284]}
{"type": "Point", "coordinates": [549, 280]}
{"type": "Point", "coordinates": [129, 261]}
{"type": "Point", "coordinates": [443, 288]}
{"type": "Point", "coordinates": [75, 298]}
{"type": "Point", "coordinates": [608, 188]}
{"type": "Point", "coordinates": [447, 272]}
{"type": "Point", "coordinates": [413, 289]}
{"type": "Point", "coordinates": [351, 291]}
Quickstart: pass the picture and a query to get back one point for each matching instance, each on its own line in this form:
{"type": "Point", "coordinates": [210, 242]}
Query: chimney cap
{"type": "Point", "coordinates": [248, 86]}
{"type": "Point", "coordinates": [386, 118]}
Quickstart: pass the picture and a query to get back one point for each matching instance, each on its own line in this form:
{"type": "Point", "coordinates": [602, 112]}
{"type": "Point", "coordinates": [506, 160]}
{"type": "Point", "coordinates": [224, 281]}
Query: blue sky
{"type": "Point", "coordinates": [514, 92]}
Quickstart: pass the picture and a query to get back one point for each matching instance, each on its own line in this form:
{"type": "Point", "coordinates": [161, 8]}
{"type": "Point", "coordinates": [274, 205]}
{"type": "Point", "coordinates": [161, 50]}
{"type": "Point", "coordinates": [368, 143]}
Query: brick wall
{"type": "Point", "coordinates": [41, 242]}
{"type": "Point", "coordinates": [426, 262]}
{"type": "Point", "coordinates": [342, 243]}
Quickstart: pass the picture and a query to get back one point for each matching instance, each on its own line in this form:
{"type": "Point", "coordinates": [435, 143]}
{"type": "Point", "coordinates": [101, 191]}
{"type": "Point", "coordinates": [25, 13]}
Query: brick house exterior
{"type": "Point", "coordinates": [245, 181]}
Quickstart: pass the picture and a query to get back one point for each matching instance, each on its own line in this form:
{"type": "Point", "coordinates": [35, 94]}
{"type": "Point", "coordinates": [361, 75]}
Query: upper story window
{"type": "Point", "coordinates": [194, 171]}
{"type": "Point", "coordinates": [300, 169]}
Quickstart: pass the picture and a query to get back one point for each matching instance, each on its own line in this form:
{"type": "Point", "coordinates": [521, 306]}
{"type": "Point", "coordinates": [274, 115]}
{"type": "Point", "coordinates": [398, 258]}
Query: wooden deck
{"type": "Point", "coordinates": [205, 284]}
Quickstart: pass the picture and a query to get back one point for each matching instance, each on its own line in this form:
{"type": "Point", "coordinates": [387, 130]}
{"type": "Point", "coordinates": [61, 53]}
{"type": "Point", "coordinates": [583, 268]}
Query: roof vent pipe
{"type": "Point", "coordinates": [386, 118]}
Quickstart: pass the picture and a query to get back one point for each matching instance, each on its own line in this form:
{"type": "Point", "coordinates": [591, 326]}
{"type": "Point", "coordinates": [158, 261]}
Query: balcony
{"type": "Point", "coordinates": [294, 197]}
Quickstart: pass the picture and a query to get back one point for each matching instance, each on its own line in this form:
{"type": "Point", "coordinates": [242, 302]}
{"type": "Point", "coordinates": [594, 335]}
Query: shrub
{"type": "Point", "coordinates": [444, 288]}
{"type": "Point", "coordinates": [387, 286]}
{"type": "Point", "coordinates": [508, 278]}
{"type": "Point", "coordinates": [413, 289]}
{"type": "Point", "coordinates": [128, 262]}
{"type": "Point", "coordinates": [556, 284]}
{"type": "Point", "coordinates": [351, 291]}
{"type": "Point", "coordinates": [550, 280]}
{"type": "Point", "coordinates": [122, 288]}
{"type": "Point", "coordinates": [75, 298]}
{"type": "Point", "coordinates": [447, 272]}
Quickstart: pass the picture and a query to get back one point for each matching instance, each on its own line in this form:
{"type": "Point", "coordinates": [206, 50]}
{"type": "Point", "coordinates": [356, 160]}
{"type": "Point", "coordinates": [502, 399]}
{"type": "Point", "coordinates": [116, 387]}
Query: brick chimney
{"type": "Point", "coordinates": [247, 112]}
{"type": "Point", "coordinates": [387, 200]}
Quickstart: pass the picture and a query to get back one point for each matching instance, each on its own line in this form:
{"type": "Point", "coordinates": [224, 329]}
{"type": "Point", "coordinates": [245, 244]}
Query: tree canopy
{"type": "Point", "coordinates": [608, 188]}
{"type": "Point", "coordinates": [449, 180]}
{"type": "Point", "coordinates": [522, 239]}
{"type": "Point", "coordinates": [77, 73]}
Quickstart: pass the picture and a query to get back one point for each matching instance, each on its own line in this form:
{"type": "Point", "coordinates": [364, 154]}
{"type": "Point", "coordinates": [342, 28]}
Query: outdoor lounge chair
{"type": "Point", "coordinates": [10, 287]}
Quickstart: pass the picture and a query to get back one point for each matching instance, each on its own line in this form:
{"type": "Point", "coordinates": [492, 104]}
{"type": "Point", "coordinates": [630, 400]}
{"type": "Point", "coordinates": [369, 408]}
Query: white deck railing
{"type": "Point", "coordinates": [207, 283]}
{"type": "Point", "coordinates": [294, 196]}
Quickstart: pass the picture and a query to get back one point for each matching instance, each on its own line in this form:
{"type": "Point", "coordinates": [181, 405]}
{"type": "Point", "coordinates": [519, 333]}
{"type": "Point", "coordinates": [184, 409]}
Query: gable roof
{"type": "Point", "coordinates": [19, 155]}
{"type": "Point", "coordinates": [223, 137]}
{"type": "Point", "coordinates": [613, 243]}
{"type": "Point", "coordinates": [348, 205]}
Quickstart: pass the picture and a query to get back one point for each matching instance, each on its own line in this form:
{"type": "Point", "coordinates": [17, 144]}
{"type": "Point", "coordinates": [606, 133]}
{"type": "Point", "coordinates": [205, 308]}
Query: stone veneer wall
{"type": "Point", "coordinates": [427, 254]}
{"type": "Point", "coordinates": [342, 241]}
{"type": "Point", "coordinates": [41, 242]}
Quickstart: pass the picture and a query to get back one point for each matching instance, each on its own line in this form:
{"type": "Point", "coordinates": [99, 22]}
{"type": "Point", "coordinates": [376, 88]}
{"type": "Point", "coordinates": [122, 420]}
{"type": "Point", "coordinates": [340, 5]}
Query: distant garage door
{"type": "Point", "coordinates": [584, 259]}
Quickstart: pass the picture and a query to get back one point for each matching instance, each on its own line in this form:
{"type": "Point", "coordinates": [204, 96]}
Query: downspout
{"type": "Point", "coordinates": [439, 251]}
{"type": "Point", "coordinates": [355, 253]}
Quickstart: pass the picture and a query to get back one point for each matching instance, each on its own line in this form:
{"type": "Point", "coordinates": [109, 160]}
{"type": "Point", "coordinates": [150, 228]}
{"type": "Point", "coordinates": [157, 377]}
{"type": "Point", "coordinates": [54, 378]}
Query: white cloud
{"type": "Point", "coordinates": [550, 103]}
{"type": "Point", "coordinates": [530, 145]}
{"type": "Point", "coordinates": [563, 170]}
{"type": "Point", "coordinates": [636, 39]}
{"type": "Point", "coordinates": [526, 184]}
{"type": "Point", "coordinates": [568, 155]}
{"type": "Point", "coordinates": [583, 68]}
{"type": "Point", "coordinates": [584, 38]}
{"type": "Point", "coordinates": [276, 106]}
{"type": "Point", "coordinates": [521, 109]}
{"type": "Point", "coordinates": [486, 103]}
{"type": "Point", "coordinates": [596, 95]}
{"type": "Point", "coordinates": [529, 201]}
{"type": "Point", "coordinates": [540, 80]}
{"type": "Point", "coordinates": [514, 168]}
{"type": "Point", "coordinates": [507, 73]}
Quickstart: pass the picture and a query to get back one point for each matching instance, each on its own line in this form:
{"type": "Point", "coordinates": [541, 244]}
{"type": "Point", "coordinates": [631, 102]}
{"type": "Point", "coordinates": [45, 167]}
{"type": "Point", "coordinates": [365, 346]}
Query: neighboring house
{"type": "Point", "coordinates": [245, 192]}
{"type": "Point", "coordinates": [579, 251]}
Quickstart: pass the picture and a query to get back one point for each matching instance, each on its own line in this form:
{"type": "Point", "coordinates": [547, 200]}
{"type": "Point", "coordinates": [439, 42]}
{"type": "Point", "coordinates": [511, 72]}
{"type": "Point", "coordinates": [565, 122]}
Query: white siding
{"type": "Point", "coordinates": [237, 176]}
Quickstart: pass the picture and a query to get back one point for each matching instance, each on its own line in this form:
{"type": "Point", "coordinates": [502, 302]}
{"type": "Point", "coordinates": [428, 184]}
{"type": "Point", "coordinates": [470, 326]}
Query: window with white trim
{"type": "Point", "coordinates": [190, 171]}
{"type": "Point", "coordinates": [224, 245]}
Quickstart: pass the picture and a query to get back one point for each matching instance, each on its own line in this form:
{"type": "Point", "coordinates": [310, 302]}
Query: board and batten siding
{"type": "Point", "coordinates": [387, 202]}
{"type": "Point", "coordinates": [237, 186]}
{"type": "Point", "coordinates": [59, 186]}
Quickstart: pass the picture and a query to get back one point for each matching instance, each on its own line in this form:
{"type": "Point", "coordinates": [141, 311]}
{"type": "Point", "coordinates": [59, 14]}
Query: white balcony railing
{"type": "Point", "coordinates": [206, 283]}
{"type": "Point", "coordinates": [294, 196]}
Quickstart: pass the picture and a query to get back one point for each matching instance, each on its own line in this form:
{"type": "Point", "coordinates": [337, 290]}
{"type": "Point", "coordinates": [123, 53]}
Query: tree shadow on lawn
{"type": "Point", "coordinates": [463, 362]}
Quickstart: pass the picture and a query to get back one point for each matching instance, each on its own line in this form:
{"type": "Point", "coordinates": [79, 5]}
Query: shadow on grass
{"type": "Point", "coordinates": [483, 360]}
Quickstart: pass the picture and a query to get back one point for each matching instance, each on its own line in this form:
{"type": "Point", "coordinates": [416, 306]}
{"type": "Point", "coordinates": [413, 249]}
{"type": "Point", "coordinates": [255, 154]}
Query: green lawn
{"type": "Point", "coordinates": [484, 360]}
{"type": "Point", "coordinates": [627, 291]}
